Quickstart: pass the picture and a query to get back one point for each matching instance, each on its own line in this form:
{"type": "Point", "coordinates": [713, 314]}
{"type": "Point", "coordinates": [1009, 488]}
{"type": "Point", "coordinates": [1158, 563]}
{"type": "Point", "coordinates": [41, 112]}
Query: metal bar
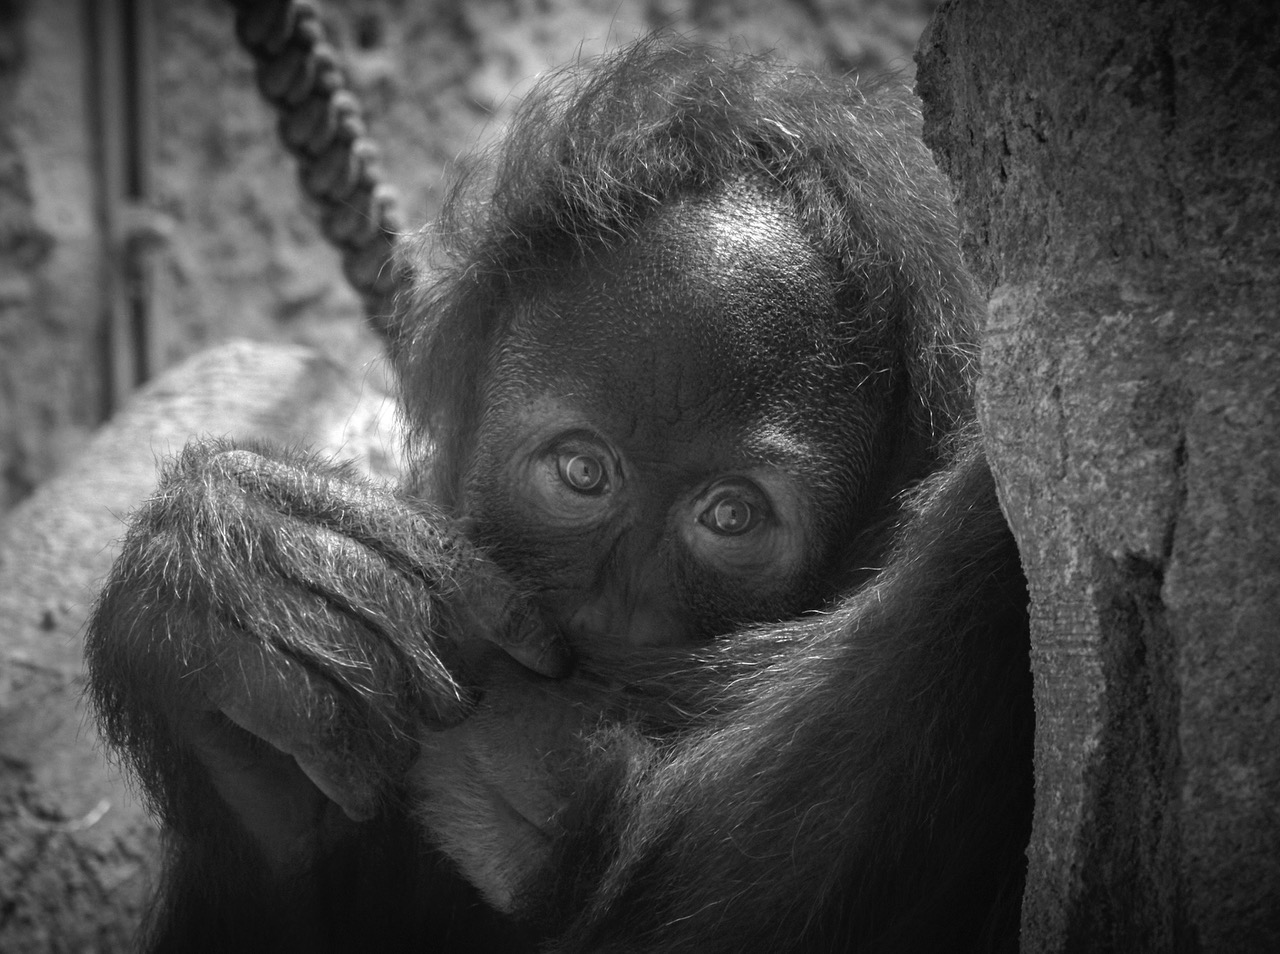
{"type": "Point", "coordinates": [121, 57]}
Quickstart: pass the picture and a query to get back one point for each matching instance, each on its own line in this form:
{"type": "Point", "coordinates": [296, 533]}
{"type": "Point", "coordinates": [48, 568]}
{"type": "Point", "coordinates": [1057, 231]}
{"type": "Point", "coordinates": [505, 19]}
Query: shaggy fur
{"type": "Point", "coordinates": [594, 151]}
{"type": "Point", "coordinates": [855, 780]}
{"type": "Point", "coordinates": [280, 643]}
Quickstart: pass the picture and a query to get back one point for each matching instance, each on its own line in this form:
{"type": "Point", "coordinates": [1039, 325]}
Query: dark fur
{"type": "Point", "coordinates": [231, 560]}
{"type": "Point", "coordinates": [862, 777]}
{"type": "Point", "coordinates": [593, 153]}
{"type": "Point", "coordinates": [854, 779]}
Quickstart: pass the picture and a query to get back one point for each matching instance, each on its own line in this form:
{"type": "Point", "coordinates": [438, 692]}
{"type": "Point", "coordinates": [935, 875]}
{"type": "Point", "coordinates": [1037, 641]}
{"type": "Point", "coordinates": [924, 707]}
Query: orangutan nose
{"type": "Point", "coordinates": [640, 625]}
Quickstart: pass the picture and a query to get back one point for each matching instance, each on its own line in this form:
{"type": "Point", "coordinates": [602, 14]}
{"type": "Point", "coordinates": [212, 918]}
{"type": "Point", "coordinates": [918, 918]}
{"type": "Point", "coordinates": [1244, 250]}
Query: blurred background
{"type": "Point", "coordinates": [148, 209]}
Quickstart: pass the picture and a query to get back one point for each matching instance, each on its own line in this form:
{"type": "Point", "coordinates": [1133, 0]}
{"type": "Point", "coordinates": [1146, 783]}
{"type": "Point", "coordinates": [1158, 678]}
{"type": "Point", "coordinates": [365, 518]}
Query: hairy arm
{"type": "Point", "coordinates": [281, 600]}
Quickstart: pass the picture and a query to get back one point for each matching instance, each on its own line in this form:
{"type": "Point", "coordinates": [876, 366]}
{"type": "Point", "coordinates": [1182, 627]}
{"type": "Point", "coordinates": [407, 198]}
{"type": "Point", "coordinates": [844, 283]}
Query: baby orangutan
{"type": "Point", "coordinates": [691, 348]}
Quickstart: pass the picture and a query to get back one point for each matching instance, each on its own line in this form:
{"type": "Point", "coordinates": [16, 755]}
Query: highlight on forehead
{"type": "Point", "coordinates": [715, 310]}
{"type": "Point", "coordinates": [777, 444]}
{"type": "Point", "coordinates": [707, 272]}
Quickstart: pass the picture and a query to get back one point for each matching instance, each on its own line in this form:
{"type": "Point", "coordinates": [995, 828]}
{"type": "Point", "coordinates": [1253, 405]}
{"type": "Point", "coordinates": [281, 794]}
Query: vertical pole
{"type": "Point", "coordinates": [122, 41]}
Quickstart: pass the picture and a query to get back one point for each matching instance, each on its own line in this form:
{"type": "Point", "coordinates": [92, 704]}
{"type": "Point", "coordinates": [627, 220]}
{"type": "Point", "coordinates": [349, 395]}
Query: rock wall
{"type": "Point", "coordinates": [1117, 167]}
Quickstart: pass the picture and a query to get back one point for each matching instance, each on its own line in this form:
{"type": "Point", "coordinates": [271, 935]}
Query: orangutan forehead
{"type": "Point", "coordinates": [720, 294]}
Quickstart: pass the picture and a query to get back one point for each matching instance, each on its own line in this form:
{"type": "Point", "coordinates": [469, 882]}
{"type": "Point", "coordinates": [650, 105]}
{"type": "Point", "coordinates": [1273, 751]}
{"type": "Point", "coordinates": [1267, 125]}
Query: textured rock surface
{"type": "Point", "coordinates": [50, 254]}
{"type": "Point", "coordinates": [1118, 166]}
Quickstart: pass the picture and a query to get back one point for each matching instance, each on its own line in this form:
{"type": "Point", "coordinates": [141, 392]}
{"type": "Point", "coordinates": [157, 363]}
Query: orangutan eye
{"type": "Point", "coordinates": [731, 515]}
{"type": "Point", "coordinates": [747, 529]}
{"type": "Point", "coordinates": [584, 473]}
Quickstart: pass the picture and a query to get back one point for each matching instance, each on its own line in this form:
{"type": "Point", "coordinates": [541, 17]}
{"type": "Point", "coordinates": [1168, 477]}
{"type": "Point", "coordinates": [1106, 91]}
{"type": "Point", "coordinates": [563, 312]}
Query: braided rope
{"type": "Point", "coordinates": [320, 124]}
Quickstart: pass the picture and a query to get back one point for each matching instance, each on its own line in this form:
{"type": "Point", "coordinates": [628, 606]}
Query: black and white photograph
{"type": "Point", "coordinates": [639, 476]}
